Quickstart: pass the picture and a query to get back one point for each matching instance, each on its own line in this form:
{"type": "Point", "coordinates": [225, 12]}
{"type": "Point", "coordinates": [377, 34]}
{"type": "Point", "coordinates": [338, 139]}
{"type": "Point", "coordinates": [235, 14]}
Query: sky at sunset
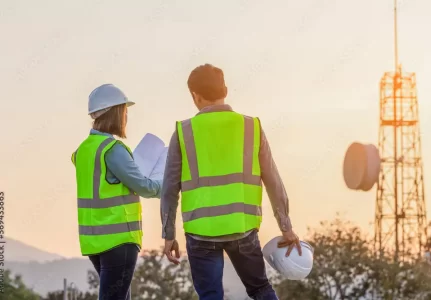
{"type": "Point", "coordinates": [310, 70]}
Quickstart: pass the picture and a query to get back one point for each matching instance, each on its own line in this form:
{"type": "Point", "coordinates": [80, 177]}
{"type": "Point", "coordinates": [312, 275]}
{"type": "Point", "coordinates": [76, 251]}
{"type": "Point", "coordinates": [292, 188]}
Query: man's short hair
{"type": "Point", "coordinates": [208, 82]}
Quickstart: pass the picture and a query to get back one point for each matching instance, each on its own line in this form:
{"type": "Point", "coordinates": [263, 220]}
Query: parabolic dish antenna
{"type": "Point", "coordinates": [361, 166]}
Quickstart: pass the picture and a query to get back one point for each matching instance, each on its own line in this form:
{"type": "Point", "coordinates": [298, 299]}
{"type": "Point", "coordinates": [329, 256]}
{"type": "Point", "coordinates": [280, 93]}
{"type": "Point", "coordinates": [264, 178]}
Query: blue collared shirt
{"type": "Point", "coordinates": [122, 168]}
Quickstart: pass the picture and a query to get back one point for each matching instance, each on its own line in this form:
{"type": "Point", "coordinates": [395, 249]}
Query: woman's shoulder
{"type": "Point", "coordinates": [119, 149]}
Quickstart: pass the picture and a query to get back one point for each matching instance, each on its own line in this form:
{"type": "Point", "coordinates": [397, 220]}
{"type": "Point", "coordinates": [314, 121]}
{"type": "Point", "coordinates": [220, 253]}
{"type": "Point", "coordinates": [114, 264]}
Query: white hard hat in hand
{"type": "Point", "coordinates": [293, 267]}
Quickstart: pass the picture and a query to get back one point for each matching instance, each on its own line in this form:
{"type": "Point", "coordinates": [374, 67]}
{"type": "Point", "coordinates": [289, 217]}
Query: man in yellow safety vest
{"type": "Point", "coordinates": [218, 160]}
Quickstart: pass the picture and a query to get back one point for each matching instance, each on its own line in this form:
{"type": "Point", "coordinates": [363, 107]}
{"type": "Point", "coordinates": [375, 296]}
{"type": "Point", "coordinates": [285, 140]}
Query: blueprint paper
{"type": "Point", "coordinates": [150, 156]}
{"type": "Point", "coordinates": [159, 168]}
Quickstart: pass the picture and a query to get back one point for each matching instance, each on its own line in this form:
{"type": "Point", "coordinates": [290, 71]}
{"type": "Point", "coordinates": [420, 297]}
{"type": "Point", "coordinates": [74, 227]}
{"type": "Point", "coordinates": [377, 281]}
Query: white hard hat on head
{"type": "Point", "coordinates": [105, 97]}
{"type": "Point", "coordinates": [293, 267]}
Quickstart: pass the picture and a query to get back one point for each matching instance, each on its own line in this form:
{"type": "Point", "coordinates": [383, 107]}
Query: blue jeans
{"type": "Point", "coordinates": [115, 268]}
{"type": "Point", "coordinates": [206, 262]}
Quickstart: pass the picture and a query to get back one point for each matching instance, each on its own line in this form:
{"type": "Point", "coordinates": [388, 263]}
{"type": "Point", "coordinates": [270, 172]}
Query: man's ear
{"type": "Point", "coordinates": [196, 97]}
{"type": "Point", "coordinates": [225, 91]}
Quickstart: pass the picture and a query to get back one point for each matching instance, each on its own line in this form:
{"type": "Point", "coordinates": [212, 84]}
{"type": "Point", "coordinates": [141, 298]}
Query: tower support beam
{"type": "Point", "coordinates": [400, 216]}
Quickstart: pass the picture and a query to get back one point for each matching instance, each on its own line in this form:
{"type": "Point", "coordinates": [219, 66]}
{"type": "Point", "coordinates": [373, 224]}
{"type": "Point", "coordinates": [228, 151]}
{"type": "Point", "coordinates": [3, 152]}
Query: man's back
{"type": "Point", "coordinates": [218, 161]}
{"type": "Point", "coordinates": [269, 175]}
{"type": "Point", "coordinates": [220, 179]}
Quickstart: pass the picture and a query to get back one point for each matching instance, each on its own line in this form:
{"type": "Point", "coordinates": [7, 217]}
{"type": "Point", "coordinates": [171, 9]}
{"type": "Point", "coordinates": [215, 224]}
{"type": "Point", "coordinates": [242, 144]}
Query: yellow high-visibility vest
{"type": "Point", "coordinates": [108, 214]}
{"type": "Point", "coordinates": [221, 189]}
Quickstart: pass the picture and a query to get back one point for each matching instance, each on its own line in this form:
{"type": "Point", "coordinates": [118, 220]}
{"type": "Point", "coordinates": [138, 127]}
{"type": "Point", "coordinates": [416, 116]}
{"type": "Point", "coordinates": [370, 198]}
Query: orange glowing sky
{"type": "Point", "coordinates": [309, 69]}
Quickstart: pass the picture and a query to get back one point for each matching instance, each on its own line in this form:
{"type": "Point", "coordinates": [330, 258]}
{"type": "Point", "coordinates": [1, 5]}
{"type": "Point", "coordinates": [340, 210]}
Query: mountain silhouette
{"type": "Point", "coordinates": [20, 252]}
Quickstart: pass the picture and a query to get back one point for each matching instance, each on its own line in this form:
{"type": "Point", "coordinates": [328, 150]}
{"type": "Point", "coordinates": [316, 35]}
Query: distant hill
{"type": "Point", "coordinates": [18, 251]}
{"type": "Point", "coordinates": [48, 276]}
{"type": "Point", "coordinates": [44, 272]}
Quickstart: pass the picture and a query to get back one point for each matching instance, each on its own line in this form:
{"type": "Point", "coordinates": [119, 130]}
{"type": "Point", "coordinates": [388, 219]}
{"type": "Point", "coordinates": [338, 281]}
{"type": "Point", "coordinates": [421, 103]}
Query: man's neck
{"type": "Point", "coordinates": [212, 103]}
{"type": "Point", "coordinates": [215, 108]}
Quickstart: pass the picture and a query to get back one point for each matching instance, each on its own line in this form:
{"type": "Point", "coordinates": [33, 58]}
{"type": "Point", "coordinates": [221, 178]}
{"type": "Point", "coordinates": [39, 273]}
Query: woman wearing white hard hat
{"type": "Point", "coordinates": [109, 184]}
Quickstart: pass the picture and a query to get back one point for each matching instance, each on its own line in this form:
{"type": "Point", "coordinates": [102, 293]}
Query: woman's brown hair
{"type": "Point", "coordinates": [113, 121]}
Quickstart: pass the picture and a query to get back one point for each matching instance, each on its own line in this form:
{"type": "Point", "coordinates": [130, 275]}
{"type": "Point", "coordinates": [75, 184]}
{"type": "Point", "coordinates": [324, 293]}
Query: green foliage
{"type": "Point", "coordinates": [93, 282]}
{"type": "Point", "coordinates": [58, 295]}
{"type": "Point", "coordinates": [156, 279]}
{"type": "Point", "coordinates": [345, 267]}
{"type": "Point", "coordinates": [14, 288]}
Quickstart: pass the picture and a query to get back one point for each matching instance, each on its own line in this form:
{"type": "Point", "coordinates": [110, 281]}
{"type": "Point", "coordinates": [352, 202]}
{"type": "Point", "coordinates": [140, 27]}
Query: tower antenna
{"type": "Point", "coordinates": [396, 35]}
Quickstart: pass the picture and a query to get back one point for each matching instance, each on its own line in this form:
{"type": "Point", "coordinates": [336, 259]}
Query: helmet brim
{"type": "Point", "coordinates": [128, 103]}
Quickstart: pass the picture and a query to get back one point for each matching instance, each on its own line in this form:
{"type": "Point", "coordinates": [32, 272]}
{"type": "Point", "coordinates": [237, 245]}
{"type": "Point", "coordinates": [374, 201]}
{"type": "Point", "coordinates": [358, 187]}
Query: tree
{"type": "Point", "coordinates": [345, 267]}
{"type": "Point", "coordinates": [405, 280]}
{"type": "Point", "coordinates": [338, 247]}
{"type": "Point", "coordinates": [15, 289]}
{"type": "Point", "coordinates": [93, 282]}
{"type": "Point", "coordinates": [58, 295]}
{"type": "Point", "coordinates": [153, 279]}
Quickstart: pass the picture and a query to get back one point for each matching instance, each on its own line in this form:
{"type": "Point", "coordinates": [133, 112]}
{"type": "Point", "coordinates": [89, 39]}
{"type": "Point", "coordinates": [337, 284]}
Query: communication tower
{"type": "Point", "coordinates": [400, 216]}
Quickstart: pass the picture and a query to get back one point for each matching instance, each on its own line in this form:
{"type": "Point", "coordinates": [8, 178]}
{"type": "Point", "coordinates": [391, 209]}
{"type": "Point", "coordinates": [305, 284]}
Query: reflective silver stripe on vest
{"type": "Point", "coordinates": [221, 180]}
{"type": "Point", "coordinates": [109, 202]}
{"type": "Point", "coordinates": [220, 210]}
{"type": "Point", "coordinates": [246, 177]}
{"type": "Point", "coordinates": [110, 229]}
{"type": "Point", "coordinates": [96, 202]}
